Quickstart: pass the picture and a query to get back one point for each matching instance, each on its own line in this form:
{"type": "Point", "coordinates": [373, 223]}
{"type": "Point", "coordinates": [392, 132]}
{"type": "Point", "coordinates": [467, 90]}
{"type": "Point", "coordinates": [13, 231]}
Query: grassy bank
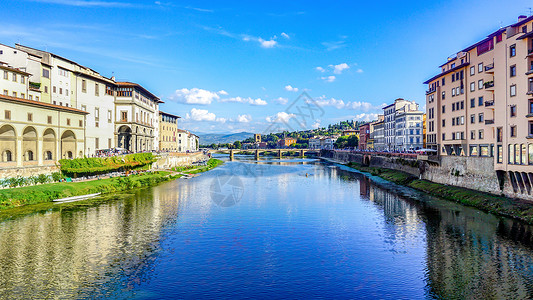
{"type": "Point", "coordinates": [498, 205]}
{"type": "Point", "coordinates": [43, 193]}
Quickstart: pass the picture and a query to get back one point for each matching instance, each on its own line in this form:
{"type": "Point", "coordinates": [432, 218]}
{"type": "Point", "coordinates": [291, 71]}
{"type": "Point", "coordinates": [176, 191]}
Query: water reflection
{"type": "Point", "coordinates": [303, 229]}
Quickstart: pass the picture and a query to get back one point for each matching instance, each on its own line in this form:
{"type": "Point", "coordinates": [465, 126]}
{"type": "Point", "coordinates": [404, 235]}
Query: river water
{"type": "Point", "coordinates": [269, 229]}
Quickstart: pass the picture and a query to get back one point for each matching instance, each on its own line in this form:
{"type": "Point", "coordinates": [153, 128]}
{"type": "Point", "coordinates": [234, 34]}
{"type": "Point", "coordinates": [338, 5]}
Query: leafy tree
{"type": "Point", "coordinates": [237, 145]}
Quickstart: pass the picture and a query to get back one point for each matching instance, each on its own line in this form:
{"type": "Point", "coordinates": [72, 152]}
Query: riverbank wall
{"type": "Point", "coordinates": [167, 161]}
{"type": "Point", "coordinates": [11, 172]}
{"type": "Point", "coordinates": [475, 173]}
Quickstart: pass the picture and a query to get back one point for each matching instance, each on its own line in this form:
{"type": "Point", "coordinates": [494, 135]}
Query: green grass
{"type": "Point", "coordinates": [16, 197]}
{"type": "Point", "coordinates": [498, 205]}
{"type": "Point", "coordinates": [96, 165]}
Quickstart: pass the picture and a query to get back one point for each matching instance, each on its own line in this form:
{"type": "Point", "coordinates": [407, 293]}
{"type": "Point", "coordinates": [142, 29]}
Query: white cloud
{"type": "Point", "coordinates": [281, 116]}
{"type": "Point", "coordinates": [340, 104]}
{"type": "Point", "coordinates": [282, 100]}
{"type": "Point", "coordinates": [328, 78]}
{"type": "Point", "coordinates": [223, 92]}
{"type": "Point", "coordinates": [366, 117]}
{"type": "Point", "coordinates": [267, 44]}
{"type": "Point", "coordinates": [201, 115]}
{"type": "Point", "coordinates": [283, 34]}
{"type": "Point", "coordinates": [244, 118]}
{"type": "Point", "coordinates": [290, 88]}
{"type": "Point", "coordinates": [316, 124]}
{"type": "Point", "coordinates": [334, 45]}
{"type": "Point", "coordinates": [248, 100]}
{"type": "Point", "coordinates": [89, 3]}
{"type": "Point", "coordinates": [320, 69]}
{"type": "Point", "coordinates": [359, 71]}
{"type": "Point", "coordinates": [195, 96]}
{"type": "Point", "coordinates": [337, 69]}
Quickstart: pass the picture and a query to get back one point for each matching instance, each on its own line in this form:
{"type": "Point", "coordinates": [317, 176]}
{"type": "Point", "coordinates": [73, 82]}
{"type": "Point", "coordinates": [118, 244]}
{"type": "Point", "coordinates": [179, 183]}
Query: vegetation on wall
{"type": "Point", "coordinates": [97, 165]}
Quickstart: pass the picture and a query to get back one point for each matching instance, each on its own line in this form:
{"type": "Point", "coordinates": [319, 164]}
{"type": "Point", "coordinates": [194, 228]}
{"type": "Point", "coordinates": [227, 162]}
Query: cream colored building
{"type": "Point", "coordinates": [481, 103]}
{"type": "Point", "coordinates": [168, 132]}
{"type": "Point", "coordinates": [34, 133]}
{"type": "Point", "coordinates": [137, 114]}
{"type": "Point", "coordinates": [187, 141]}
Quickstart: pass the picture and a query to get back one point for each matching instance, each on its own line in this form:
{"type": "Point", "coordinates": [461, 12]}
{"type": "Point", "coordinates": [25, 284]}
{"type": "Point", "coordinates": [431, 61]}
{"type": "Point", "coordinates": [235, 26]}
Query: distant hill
{"type": "Point", "coordinates": [222, 138]}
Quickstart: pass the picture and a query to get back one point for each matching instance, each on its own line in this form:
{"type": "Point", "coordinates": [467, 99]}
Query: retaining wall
{"type": "Point", "coordinates": [171, 160]}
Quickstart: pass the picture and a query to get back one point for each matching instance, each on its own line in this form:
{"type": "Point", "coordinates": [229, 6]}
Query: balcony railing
{"type": "Point", "coordinates": [488, 122]}
{"type": "Point", "coordinates": [34, 86]}
{"type": "Point", "coordinates": [530, 51]}
{"type": "Point", "coordinates": [489, 67]}
{"type": "Point", "coordinates": [432, 90]}
{"type": "Point", "coordinates": [489, 84]}
{"type": "Point", "coordinates": [489, 103]}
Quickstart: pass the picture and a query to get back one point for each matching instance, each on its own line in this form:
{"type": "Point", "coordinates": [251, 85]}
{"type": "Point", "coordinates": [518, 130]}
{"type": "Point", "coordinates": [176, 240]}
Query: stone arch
{"type": "Point", "coordinates": [8, 144]}
{"type": "Point", "coordinates": [29, 143]}
{"type": "Point", "coordinates": [124, 137]}
{"type": "Point", "coordinates": [68, 144]}
{"type": "Point", "coordinates": [49, 144]}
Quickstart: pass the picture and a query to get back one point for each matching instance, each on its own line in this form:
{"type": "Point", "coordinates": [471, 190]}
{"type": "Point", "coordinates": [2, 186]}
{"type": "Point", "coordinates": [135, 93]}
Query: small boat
{"type": "Point", "coordinates": [76, 198]}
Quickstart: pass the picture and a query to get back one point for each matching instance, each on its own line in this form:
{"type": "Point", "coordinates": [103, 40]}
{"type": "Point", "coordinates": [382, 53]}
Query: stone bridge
{"type": "Point", "coordinates": [280, 152]}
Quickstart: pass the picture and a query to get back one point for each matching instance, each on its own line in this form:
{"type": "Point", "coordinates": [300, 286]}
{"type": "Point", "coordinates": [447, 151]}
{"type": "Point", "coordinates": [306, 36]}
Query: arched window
{"type": "Point", "coordinates": [48, 155]}
{"type": "Point", "coordinates": [29, 155]}
{"type": "Point", "coordinates": [7, 156]}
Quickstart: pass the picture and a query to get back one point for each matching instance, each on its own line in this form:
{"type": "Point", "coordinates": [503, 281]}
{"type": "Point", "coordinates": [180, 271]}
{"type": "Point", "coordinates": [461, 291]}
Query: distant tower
{"type": "Point", "coordinates": [257, 138]}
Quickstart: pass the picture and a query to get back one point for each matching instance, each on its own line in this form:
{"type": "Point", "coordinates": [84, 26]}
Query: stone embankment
{"type": "Point", "coordinates": [167, 161]}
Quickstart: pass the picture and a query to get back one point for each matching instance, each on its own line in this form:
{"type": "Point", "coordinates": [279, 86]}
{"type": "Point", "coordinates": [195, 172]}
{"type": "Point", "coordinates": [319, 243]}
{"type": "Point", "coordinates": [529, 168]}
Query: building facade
{"type": "Point", "coordinates": [492, 75]}
{"type": "Point", "coordinates": [364, 136]}
{"type": "Point", "coordinates": [397, 134]}
{"type": "Point", "coordinates": [136, 113]}
{"type": "Point", "coordinates": [168, 132]}
{"type": "Point", "coordinates": [322, 142]}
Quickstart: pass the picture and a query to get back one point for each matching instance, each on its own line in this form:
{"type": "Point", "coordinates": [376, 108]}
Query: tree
{"type": "Point", "coordinates": [237, 145]}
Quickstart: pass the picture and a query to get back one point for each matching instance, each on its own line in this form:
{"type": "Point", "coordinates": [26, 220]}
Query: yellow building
{"type": "Point", "coordinates": [168, 131]}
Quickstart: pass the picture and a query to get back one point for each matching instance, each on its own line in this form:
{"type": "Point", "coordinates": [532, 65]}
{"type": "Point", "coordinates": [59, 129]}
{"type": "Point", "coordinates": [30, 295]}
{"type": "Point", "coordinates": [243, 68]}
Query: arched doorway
{"type": "Point", "coordinates": [8, 144]}
{"type": "Point", "coordinates": [29, 144]}
{"type": "Point", "coordinates": [49, 144]}
{"type": "Point", "coordinates": [68, 144]}
{"type": "Point", "coordinates": [124, 137]}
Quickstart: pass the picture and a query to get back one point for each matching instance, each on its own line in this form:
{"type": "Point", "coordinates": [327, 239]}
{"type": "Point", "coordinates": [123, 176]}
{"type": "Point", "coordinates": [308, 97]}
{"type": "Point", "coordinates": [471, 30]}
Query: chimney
{"type": "Point", "coordinates": [521, 18]}
{"type": "Point", "coordinates": [113, 78]}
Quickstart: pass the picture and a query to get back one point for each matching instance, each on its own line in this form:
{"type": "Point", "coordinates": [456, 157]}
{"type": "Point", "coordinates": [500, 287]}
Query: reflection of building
{"type": "Point", "coordinates": [168, 132]}
{"type": "Point", "coordinates": [136, 114]}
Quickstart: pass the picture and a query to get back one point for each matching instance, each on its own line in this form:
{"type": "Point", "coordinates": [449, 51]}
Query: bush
{"type": "Point", "coordinates": [97, 166]}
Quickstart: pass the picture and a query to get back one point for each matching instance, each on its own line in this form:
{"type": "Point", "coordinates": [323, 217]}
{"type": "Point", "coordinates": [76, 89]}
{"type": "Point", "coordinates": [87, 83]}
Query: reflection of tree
{"type": "Point", "coordinates": [84, 252]}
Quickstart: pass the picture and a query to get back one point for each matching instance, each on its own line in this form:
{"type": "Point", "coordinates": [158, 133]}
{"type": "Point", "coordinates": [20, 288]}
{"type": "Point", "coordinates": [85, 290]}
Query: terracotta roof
{"type": "Point", "coordinates": [131, 84]}
{"type": "Point", "coordinates": [42, 104]}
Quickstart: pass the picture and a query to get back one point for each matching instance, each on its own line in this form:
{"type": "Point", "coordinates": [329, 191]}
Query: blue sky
{"type": "Point", "coordinates": [231, 66]}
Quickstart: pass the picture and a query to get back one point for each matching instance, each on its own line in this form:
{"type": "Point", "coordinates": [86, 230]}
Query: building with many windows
{"type": "Point", "coordinates": [492, 75]}
{"type": "Point", "coordinates": [399, 119]}
{"type": "Point", "coordinates": [168, 132]}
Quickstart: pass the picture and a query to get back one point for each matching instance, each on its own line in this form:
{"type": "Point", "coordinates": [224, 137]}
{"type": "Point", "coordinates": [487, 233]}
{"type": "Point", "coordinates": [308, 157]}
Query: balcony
{"type": "Point", "coordinates": [431, 91]}
{"type": "Point", "coordinates": [489, 68]}
{"type": "Point", "coordinates": [489, 85]}
{"type": "Point", "coordinates": [488, 122]}
{"type": "Point", "coordinates": [34, 86]}
{"type": "Point", "coordinates": [530, 115]}
{"type": "Point", "coordinates": [530, 52]}
{"type": "Point", "coordinates": [489, 103]}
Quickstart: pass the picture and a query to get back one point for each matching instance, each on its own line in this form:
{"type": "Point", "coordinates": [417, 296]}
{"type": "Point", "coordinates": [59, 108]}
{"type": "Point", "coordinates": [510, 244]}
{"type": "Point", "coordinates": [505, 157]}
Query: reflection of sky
{"type": "Point", "coordinates": [332, 233]}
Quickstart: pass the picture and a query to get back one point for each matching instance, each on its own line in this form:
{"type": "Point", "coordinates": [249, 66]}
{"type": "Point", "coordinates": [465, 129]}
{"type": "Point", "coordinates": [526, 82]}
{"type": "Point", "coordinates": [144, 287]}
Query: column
{"type": "Point", "coordinates": [18, 155]}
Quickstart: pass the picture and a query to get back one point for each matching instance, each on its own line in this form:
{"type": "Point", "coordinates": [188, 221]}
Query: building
{"type": "Point", "coordinates": [349, 132]}
{"type": "Point", "coordinates": [364, 136]}
{"type": "Point", "coordinates": [286, 142]}
{"type": "Point", "coordinates": [64, 82]}
{"type": "Point", "coordinates": [424, 130]}
{"type": "Point", "coordinates": [257, 138]}
{"type": "Point", "coordinates": [397, 135]}
{"type": "Point", "coordinates": [492, 75]}
{"type": "Point", "coordinates": [378, 135]}
{"type": "Point", "coordinates": [168, 132]}
{"type": "Point", "coordinates": [187, 142]}
{"type": "Point", "coordinates": [322, 142]}
{"type": "Point", "coordinates": [136, 117]}
{"type": "Point", "coordinates": [34, 133]}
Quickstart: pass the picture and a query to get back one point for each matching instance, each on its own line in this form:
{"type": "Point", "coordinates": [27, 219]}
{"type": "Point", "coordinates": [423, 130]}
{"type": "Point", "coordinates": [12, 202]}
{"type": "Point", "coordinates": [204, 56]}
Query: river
{"type": "Point", "coordinates": [269, 229]}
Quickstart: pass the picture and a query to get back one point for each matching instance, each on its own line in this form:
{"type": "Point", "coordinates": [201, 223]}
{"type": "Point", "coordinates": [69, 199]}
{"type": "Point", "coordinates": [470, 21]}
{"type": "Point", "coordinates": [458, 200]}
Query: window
{"type": "Point", "coordinates": [530, 156]}
{"type": "Point", "coordinates": [84, 85]}
{"type": "Point", "coordinates": [15, 77]}
{"type": "Point", "coordinates": [6, 92]}
{"type": "Point", "coordinates": [512, 71]}
{"type": "Point", "coordinates": [96, 90]}
{"type": "Point", "coordinates": [462, 120]}
{"type": "Point", "coordinates": [472, 86]}
{"type": "Point", "coordinates": [54, 89]}
{"type": "Point", "coordinates": [6, 75]}
{"type": "Point", "coordinates": [513, 131]}
{"type": "Point", "coordinates": [511, 154]}
{"type": "Point", "coordinates": [443, 81]}
{"type": "Point", "coordinates": [472, 70]}
{"type": "Point", "coordinates": [7, 114]}
{"type": "Point", "coordinates": [530, 126]}
{"type": "Point", "coordinates": [480, 84]}
{"type": "Point", "coordinates": [30, 117]}
{"type": "Point", "coordinates": [524, 29]}
{"type": "Point", "coordinates": [513, 110]}
{"type": "Point", "coordinates": [68, 122]}
{"type": "Point", "coordinates": [66, 92]}
{"type": "Point", "coordinates": [480, 134]}
{"type": "Point", "coordinates": [480, 101]}
{"type": "Point", "coordinates": [22, 79]}
{"type": "Point", "coordinates": [96, 124]}
{"type": "Point", "coordinates": [513, 90]}
{"type": "Point", "coordinates": [457, 91]}
{"type": "Point", "coordinates": [60, 91]}
{"type": "Point", "coordinates": [80, 123]}
{"type": "Point", "coordinates": [462, 105]}
{"type": "Point", "coordinates": [480, 67]}
{"type": "Point", "coordinates": [453, 106]}
{"type": "Point", "coordinates": [453, 121]}
{"type": "Point", "coordinates": [84, 108]}
{"type": "Point", "coordinates": [124, 116]}
{"type": "Point", "coordinates": [109, 116]}
{"type": "Point", "coordinates": [453, 92]}
{"type": "Point", "coordinates": [530, 106]}
{"type": "Point", "coordinates": [512, 51]}
{"type": "Point", "coordinates": [443, 95]}
{"type": "Point", "coordinates": [443, 122]}
{"type": "Point", "coordinates": [15, 94]}
{"type": "Point", "coordinates": [472, 102]}
{"type": "Point", "coordinates": [480, 118]}
{"type": "Point", "coordinates": [499, 134]}
{"type": "Point", "coordinates": [473, 150]}
{"type": "Point", "coordinates": [22, 95]}
{"type": "Point", "coordinates": [472, 119]}
{"type": "Point", "coordinates": [46, 73]}
{"type": "Point", "coordinates": [473, 135]}
{"type": "Point", "coordinates": [36, 98]}
{"type": "Point", "coordinates": [30, 97]}
{"type": "Point", "coordinates": [444, 109]}
{"type": "Point", "coordinates": [96, 113]}
{"type": "Point", "coordinates": [499, 154]}
{"type": "Point", "coordinates": [97, 143]}
{"type": "Point", "coordinates": [49, 119]}
{"type": "Point", "coordinates": [109, 144]}
{"type": "Point", "coordinates": [46, 89]}
{"type": "Point", "coordinates": [444, 136]}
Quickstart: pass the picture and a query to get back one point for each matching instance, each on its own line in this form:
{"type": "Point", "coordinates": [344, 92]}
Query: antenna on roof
{"type": "Point", "coordinates": [529, 11]}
